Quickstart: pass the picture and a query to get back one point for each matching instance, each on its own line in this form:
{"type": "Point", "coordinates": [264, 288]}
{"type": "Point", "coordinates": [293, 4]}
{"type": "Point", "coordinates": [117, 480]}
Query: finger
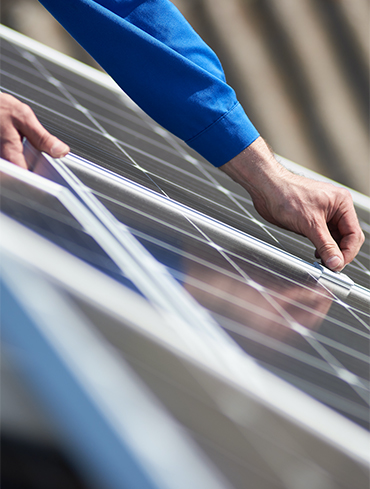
{"type": "Point", "coordinates": [326, 247]}
{"type": "Point", "coordinates": [12, 150]}
{"type": "Point", "coordinates": [38, 136]}
{"type": "Point", "coordinates": [350, 230]}
{"type": "Point", "coordinates": [334, 231]}
{"type": "Point", "coordinates": [351, 245]}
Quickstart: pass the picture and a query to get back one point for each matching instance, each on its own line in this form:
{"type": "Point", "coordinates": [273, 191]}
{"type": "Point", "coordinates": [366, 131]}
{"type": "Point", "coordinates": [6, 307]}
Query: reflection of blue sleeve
{"type": "Point", "coordinates": [163, 65]}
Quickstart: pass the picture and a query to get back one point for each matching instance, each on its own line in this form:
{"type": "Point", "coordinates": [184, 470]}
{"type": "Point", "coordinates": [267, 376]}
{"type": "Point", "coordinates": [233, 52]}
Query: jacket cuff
{"type": "Point", "coordinates": [226, 137]}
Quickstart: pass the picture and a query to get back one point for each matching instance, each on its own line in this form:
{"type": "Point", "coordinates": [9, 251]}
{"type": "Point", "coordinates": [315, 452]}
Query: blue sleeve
{"type": "Point", "coordinates": [156, 57]}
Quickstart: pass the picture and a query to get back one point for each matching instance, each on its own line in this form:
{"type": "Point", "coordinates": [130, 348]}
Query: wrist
{"type": "Point", "coordinates": [255, 168]}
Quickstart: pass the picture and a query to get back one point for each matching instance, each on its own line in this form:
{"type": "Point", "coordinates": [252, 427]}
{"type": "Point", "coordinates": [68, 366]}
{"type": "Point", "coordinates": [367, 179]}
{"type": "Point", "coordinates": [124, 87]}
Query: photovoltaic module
{"type": "Point", "coordinates": [136, 204]}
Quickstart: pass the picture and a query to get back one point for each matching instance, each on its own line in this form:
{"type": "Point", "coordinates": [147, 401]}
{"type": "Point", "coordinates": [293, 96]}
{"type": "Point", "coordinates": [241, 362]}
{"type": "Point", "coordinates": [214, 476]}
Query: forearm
{"type": "Point", "coordinates": [164, 66]}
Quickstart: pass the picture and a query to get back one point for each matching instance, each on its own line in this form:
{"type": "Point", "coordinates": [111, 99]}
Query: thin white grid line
{"type": "Point", "coordinates": [291, 237]}
{"type": "Point", "coordinates": [256, 309]}
{"type": "Point", "coordinates": [206, 263]}
{"type": "Point", "coordinates": [74, 103]}
{"type": "Point", "coordinates": [354, 314]}
{"type": "Point", "coordinates": [217, 185]}
{"type": "Point", "coordinates": [234, 198]}
{"type": "Point", "coordinates": [188, 190]}
{"type": "Point", "coordinates": [361, 266]}
{"type": "Point", "coordinates": [22, 67]}
{"type": "Point", "coordinates": [102, 78]}
{"type": "Point", "coordinates": [118, 111]}
{"type": "Point", "coordinates": [307, 245]}
{"type": "Point", "coordinates": [277, 345]}
{"type": "Point", "coordinates": [292, 323]}
{"type": "Point", "coordinates": [339, 301]}
{"type": "Point", "coordinates": [211, 180]}
{"type": "Point", "coordinates": [93, 117]}
{"type": "Point", "coordinates": [220, 206]}
{"type": "Point", "coordinates": [121, 112]}
{"type": "Point", "coordinates": [296, 447]}
{"type": "Point", "coordinates": [228, 274]}
{"type": "Point", "coordinates": [122, 127]}
{"type": "Point", "coordinates": [331, 398]}
{"type": "Point", "coordinates": [48, 109]}
{"type": "Point", "coordinates": [85, 111]}
{"type": "Point", "coordinates": [112, 174]}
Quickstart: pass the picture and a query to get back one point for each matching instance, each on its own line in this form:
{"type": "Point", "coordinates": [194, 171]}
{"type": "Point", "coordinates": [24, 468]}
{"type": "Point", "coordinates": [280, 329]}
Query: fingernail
{"type": "Point", "coordinates": [59, 149]}
{"type": "Point", "coordinates": [334, 262]}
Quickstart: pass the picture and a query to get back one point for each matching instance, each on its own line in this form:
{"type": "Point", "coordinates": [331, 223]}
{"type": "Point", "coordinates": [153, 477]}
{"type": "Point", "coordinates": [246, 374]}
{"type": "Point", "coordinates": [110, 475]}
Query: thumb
{"type": "Point", "coordinates": [30, 127]}
{"type": "Point", "coordinates": [44, 141]}
{"type": "Point", "coordinates": [52, 145]}
{"type": "Point", "coordinates": [327, 248]}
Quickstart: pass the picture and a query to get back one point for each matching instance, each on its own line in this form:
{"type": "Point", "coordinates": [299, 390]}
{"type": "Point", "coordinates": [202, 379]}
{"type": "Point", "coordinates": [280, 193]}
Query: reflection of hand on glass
{"type": "Point", "coordinates": [306, 306]}
{"type": "Point", "coordinates": [270, 313]}
{"type": "Point", "coordinates": [17, 120]}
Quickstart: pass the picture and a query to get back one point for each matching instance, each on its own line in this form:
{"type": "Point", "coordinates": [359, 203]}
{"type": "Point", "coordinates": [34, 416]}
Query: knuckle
{"type": "Point", "coordinates": [7, 100]}
{"type": "Point", "coordinates": [313, 224]}
{"type": "Point", "coordinates": [44, 139]}
{"type": "Point", "coordinates": [345, 196]}
{"type": "Point", "coordinates": [25, 112]}
{"type": "Point", "coordinates": [13, 153]}
{"type": "Point", "coordinates": [326, 249]}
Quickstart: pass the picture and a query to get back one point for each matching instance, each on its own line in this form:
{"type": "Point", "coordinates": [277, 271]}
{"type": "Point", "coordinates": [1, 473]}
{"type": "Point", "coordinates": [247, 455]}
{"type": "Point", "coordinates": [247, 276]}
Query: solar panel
{"type": "Point", "coordinates": [229, 416]}
{"type": "Point", "coordinates": [275, 308]}
{"type": "Point", "coordinates": [304, 324]}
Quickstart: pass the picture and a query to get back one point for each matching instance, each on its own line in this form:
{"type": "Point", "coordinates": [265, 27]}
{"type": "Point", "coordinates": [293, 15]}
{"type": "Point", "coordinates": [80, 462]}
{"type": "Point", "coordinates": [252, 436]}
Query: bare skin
{"type": "Point", "coordinates": [321, 211]}
{"type": "Point", "coordinates": [17, 120]}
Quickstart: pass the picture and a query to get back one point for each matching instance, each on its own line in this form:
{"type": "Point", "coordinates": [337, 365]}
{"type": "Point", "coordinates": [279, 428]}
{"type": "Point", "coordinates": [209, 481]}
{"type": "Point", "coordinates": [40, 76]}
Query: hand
{"type": "Point", "coordinates": [17, 120]}
{"type": "Point", "coordinates": [321, 211]}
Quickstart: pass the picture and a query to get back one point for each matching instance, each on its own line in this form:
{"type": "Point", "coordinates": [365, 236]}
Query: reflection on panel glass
{"type": "Point", "coordinates": [279, 313]}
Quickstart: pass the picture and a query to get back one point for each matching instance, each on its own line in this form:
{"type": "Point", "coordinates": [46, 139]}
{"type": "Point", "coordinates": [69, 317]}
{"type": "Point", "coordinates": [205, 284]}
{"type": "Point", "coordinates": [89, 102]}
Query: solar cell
{"type": "Point", "coordinates": [255, 280]}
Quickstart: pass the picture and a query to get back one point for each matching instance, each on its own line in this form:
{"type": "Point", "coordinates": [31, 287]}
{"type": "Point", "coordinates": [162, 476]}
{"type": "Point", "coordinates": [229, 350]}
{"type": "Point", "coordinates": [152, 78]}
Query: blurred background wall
{"type": "Point", "coordinates": [300, 69]}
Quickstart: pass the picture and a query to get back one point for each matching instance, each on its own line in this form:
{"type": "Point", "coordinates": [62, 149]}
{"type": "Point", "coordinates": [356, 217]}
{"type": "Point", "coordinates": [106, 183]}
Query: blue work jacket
{"type": "Point", "coordinates": [156, 57]}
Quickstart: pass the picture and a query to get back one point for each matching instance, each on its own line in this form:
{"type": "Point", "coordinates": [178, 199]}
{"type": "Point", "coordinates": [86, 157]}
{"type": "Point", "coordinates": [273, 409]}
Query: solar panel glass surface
{"type": "Point", "coordinates": [277, 311]}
